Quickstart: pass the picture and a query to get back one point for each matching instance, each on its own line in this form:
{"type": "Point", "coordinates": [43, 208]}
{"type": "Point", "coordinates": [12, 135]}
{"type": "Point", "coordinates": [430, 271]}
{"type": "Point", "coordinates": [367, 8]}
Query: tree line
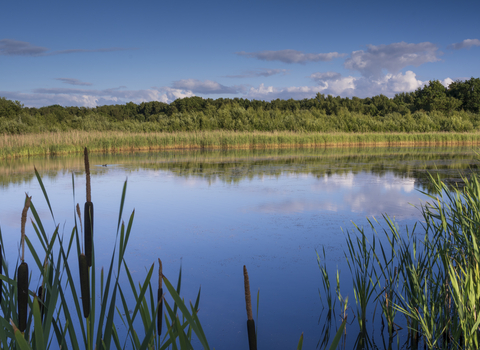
{"type": "Point", "coordinates": [430, 108]}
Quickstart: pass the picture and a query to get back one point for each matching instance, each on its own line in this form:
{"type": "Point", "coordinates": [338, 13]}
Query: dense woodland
{"type": "Point", "coordinates": [428, 109]}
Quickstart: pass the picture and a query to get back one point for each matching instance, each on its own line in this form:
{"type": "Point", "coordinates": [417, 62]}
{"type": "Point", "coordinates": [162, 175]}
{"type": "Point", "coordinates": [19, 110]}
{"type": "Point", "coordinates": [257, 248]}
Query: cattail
{"type": "Point", "coordinates": [252, 339]}
{"type": "Point", "coordinates": [22, 275]}
{"type": "Point", "coordinates": [1, 272]}
{"type": "Point", "coordinates": [88, 212]}
{"type": "Point", "coordinates": [84, 284]}
{"type": "Point", "coordinates": [160, 298]}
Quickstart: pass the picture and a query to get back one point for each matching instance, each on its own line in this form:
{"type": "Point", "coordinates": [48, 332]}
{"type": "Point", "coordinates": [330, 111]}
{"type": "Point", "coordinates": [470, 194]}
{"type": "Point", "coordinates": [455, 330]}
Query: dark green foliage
{"type": "Point", "coordinates": [430, 108]}
{"type": "Point", "coordinates": [468, 92]}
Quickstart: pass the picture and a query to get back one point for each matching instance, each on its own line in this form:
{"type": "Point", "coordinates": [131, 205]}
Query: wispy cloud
{"type": "Point", "coordinates": [321, 77]}
{"type": "Point", "coordinates": [262, 72]}
{"type": "Point", "coordinates": [392, 58]}
{"type": "Point", "coordinates": [20, 48]}
{"type": "Point", "coordinates": [206, 87]}
{"type": "Point", "coordinates": [291, 56]}
{"type": "Point", "coordinates": [466, 44]}
{"type": "Point", "coordinates": [10, 47]}
{"type": "Point", "coordinates": [72, 81]}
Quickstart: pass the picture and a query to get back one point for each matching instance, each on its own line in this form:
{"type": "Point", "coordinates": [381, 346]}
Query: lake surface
{"type": "Point", "coordinates": [213, 212]}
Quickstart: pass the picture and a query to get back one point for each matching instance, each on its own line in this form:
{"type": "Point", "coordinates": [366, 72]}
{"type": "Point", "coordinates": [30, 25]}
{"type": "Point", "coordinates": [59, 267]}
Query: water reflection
{"type": "Point", "coordinates": [219, 210]}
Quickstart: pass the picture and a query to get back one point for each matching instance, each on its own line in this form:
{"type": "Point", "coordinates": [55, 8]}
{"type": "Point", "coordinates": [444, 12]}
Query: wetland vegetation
{"type": "Point", "coordinates": [432, 114]}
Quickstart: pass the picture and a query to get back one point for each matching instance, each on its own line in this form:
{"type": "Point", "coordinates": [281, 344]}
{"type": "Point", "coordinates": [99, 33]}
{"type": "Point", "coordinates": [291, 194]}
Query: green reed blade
{"type": "Point", "coordinates": [109, 324]}
{"type": "Point", "coordinates": [300, 342]}
{"type": "Point", "coordinates": [42, 236]}
{"type": "Point", "coordinates": [44, 193]}
{"type": "Point", "coordinates": [130, 331]}
{"type": "Point", "coordinates": [143, 289]}
{"type": "Point", "coordinates": [122, 202]}
{"type": "Point", "coordinates": [191, 318]}
{"type": "Point", "coordinates": [21, 342]}
{"type": "Point", "coordinates": [338, 336]}
{"type": "Point", "coordinates": [38, 334]}
{"type": "Point", "coordinates": [179, 283]}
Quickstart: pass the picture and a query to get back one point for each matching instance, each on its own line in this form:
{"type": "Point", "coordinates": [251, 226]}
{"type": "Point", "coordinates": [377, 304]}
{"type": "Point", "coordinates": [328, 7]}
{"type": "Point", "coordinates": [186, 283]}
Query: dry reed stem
{"type": "Point", "coordinates": [87, 172]}
{"type": "Point", "coordinates": [15, 328]}
{"type": "Point", "coordinates": [24, 220]}
{"type": "Point", "coordinates": [248, 300]}
{"type": "Point", "coordinates": [160, 273]}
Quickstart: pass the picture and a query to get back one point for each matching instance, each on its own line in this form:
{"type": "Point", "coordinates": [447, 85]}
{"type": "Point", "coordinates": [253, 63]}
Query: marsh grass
{"type": "Point", "coordinates": [12, 146]}
{"type": "Point", "coordinates": [63, 324]}
{"type": "Point", "coordinates": [429, 276]}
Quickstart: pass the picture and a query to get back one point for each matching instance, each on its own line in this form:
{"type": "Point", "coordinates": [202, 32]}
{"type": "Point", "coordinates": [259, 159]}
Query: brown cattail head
{"type": "Point", "coordinates": [87, 172]}
{"type": "Point", "coordinates": [160, 273]}
{"type": "Point", "coordinates": [248, 300]}
{"type": "Point", "coordinates": [24, 220]}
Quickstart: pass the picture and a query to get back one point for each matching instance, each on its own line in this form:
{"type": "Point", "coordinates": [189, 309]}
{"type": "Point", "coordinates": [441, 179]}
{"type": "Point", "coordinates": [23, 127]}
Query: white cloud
{"type": "Point", "coordinates": [389, 84]}
{"type": "Point", "coordinates": [446, 82]}
{"type": "Point", "coordinates": [392, 58]}
{"type": "Point", "coordinates": [92, 98]}
{"type": "Point", "coordinates": [270, 93]}
{"type": "Point", "coordinates": [206, 87]}
{"type": "Point", "coordinates": [291, 56]}
{"type": "Point", "coordinates": [171, 94]}
{"type": "Point", "coordinates": [466, 44]}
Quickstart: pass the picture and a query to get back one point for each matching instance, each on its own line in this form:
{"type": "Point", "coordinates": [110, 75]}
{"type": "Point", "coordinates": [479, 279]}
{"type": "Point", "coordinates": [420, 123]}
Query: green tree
{"type": "Point", "coordinates": [468, 92]}
{"type": "Point", "coordinates": [434, 98]}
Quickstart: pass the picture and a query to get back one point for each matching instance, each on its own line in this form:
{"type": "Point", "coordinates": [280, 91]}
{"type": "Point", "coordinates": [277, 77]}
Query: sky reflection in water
{"type": "Point", "coordinates": [215, 213]}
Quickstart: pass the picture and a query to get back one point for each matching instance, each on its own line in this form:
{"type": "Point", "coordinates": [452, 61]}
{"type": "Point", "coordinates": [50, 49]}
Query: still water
{"type": "Point", "coordinates": [213, 212]}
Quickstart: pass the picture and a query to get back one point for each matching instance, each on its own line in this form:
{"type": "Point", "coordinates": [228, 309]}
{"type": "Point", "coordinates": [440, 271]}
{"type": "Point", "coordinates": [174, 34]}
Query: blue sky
{"type": "Point", "coordinates": [94, 53]}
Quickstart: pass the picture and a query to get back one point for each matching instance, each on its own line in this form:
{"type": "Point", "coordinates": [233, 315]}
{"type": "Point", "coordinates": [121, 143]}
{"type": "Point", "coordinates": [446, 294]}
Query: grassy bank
{"type": "Point", "coordinates": [12, 146]}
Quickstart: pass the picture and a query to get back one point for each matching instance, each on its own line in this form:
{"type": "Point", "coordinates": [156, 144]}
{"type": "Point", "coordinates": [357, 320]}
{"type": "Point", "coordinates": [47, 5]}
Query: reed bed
{"type": "Point", "coordinates": [12, 146]}
{"type": "Point", "coordinates": [427, 277]}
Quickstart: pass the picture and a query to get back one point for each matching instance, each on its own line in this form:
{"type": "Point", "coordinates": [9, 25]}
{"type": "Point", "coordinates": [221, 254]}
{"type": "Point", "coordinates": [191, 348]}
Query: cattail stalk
{"type": "Point", "coordinates": [22, 275]}
{"type": "Point", "coordinates": [252, 339]}
{"type": "Point", "coordinates": [160, 298]}
{"type": "Point", "coordinates": [88, 214]}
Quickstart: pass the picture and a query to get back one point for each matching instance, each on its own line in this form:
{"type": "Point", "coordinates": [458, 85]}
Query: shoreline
{"type": "Point", "coordinates": [49, 144]}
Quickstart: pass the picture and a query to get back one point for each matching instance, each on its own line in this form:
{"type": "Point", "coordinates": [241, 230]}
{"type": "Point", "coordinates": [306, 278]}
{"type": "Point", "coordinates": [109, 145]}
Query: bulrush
{"type": "Point", "coordinates": [84, 278]}
{"type": "Point", "coordinates": [160, 298]}
{"type": "Point", "coordinates": [22, 275]}
{"type": "Point", "coordinates": [252, 339]}
{"type": "Point", "coordinates": [88, 212]}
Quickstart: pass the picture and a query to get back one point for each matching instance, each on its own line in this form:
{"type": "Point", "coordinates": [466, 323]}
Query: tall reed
{"type": "Point", "coordinates": [431, 275]}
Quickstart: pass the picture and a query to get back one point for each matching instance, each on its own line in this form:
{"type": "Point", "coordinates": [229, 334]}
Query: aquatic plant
{"type": "Point", "coordinates": [53, 318]}
{"type": "Point", "coordinates": [431, 275]}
